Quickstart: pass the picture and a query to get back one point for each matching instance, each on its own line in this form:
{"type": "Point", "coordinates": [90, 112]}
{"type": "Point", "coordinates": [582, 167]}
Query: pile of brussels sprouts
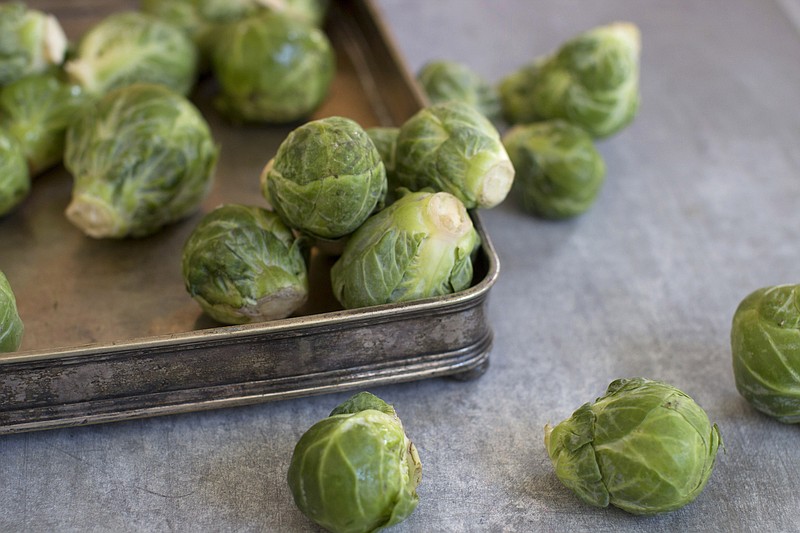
{"type": "Point", "coordinates": [556, 108]}
{"type": "Point", "coordinates": [393, 201]}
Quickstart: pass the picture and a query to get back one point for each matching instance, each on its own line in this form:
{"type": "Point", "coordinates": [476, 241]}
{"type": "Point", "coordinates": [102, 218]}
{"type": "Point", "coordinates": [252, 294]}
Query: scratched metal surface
{"type": "Point", "coordinates": [699, 208]}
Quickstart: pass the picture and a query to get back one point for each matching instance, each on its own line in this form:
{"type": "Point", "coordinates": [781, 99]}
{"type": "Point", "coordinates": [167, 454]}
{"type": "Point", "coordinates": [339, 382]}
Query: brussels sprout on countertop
{"type": "Point", "coordinates": [271, 68]}
{"type": "Point", "coordinates": [242, 264]}
{"type": "Point", "coordinates": [452, 147]}
{"type": "Point", "coordinates": [559, 172]}
{"type": "Point", "coordinates": [326, 178]}
{"type": "Point", "coordinates": [37, 110]}
{"type": "Point", "coordinates": [15, 182]}
{"type": "Point", "coordinates": [356, 470]}
{"type": "Point", "coordinates": [645, 447]}
{"type": "Point", "coordinates": [765, 344]}
{"type": "Point", "coordinates": [143, 159]}
{"type": "Point", "coordinates": [133, 47]}
{"type": "Point", "coordinates": [592, 81]}
{"type": "Point", "coordinates": [11, 327]}
{"type": "Point", "coordinates": [30, 42]}
{"type": "Point", "coordinates": [418, 247]}
{"type": "Point", "coordinates": [442, 81]}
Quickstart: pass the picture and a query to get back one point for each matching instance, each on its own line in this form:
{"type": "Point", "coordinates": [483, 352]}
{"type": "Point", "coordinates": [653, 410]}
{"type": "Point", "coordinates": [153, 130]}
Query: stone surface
{"type": "Point", "coordinates": [699, 208]}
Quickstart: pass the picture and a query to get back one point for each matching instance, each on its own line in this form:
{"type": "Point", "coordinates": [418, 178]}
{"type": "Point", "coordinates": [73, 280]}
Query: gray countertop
{"type": "Point", "coordinates": [699, 208]}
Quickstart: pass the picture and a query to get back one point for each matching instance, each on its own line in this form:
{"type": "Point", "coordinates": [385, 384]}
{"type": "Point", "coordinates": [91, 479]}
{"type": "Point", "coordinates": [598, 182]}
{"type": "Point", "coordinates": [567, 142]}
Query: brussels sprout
{"type": "Point", "coordinates": [15, 182]}
{"type": "Point", "coordinates": [199, 18]}
{"type": "Point", "coordinates": [452, 147]}
{"type": "Point", "coordinates": [326, 178]}
{"type": "Point", "coordinates": [242, 264]}
{"type": "Point", "coordinates": [356, 471]}
{"type": "Point", "coordinates": [271, 68]}
{"type": "Point", "coordinates": [30, 42]}
{"type": "Point", "coordinates": [449, 80]}
{"type": "Point", "coordinates": [418, 247]}
{"type": "Point", "coordinates": [591, 81]}
{"type": "Point", "coordinates": [559, 172]}
{"type": "Point", "coordinates": [134, 47]}
{"type": "Point", "coordinates": [11, 327]}
{"type": "Point", "coordinates": [37, 109]}
{"type": "Point", "coordinates": [144, 159]}
{"type": "Point", "coordinates": [766, 351]}
{"type": "Point", "coordinates": [645, 447]}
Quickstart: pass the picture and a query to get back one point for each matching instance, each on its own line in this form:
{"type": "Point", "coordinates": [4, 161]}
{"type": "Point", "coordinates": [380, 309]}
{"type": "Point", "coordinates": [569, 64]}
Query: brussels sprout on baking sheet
{"type": "Point", "coordinates": [15, 181]}
{"type": "Point", "coordinates": [242, 264]}
{"type": "Point", "coordinates": [144, 159]}
{"type": "Point", "coordinates": [452, 147]}
{"type": "Point", "coordinates": [326, 178]}
{"type": "Point", "coordinates": [271, 68]}
{"type": "Point", "coordinates": [418, 247]}
{"type": "Point", "coordinates": [11, 326]}
{"type": "Point", "coordinates": [133, 47]}
{"type": "Point", "coordinates": [37, 110]}
{"type": "Point", "coordinates": [30, 42]}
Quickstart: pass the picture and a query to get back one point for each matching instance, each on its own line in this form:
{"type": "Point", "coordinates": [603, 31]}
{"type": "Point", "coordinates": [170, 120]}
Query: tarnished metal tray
{"type": "Point", "coordinates": [111, 333]}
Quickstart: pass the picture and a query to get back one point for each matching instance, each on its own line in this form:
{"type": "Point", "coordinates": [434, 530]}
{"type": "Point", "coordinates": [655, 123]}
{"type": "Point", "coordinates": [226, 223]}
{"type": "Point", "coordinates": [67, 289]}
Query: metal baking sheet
{"type": "Point", "coordinates": [111, 334]}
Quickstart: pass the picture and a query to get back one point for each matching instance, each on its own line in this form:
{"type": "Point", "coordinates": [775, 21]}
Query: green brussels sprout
{"type": "Point", "coordinates": [30, 42]}
{"type": "Point", "coordinates": [133, 47]}
{"type": "Point", "coordinates": [11, 327]}
{"type": "Point", "coordinates": [143, 159]}
{"type": "Point", "coordinates": [559, 172]}
{"type": "Point", "coordinates": [645, 447]}
{"type": "Point", "coordinates": [271, 68]}
{"type": "Point", "coordinates": [418, 247]}
{"type": "Point", "coordinates": [356, 471]}
{"type": "Point", "coordinates": [591, 81]}
{"type": "Point", "coordinates": [37, 109]}
{"type": "Point", "coordinates": [766, 351]}
{"type": "Point", "coordinates": [242, 264]}
{"type": "Point", "coordinates": [15, 182]}
{"type": "Point", "coordinates": [326, 178]}
{"type": "Point", "coordinates": [449, 80]}
{"type": "Point", "coordinates": [452, 147]}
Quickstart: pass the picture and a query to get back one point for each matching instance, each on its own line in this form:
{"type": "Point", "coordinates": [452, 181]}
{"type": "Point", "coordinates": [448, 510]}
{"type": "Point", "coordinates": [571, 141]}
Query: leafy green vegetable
{"type": "Point", "coordinates": [326, 178]}
{"type": "Point", "coordinates": [765, 345]}
{"type": "Point", "coordinates": [442, 81]}
{"type": "Point", "coordinates": [271, 68]}
{"type": "Point", "coordinates": [37, 110]}
{"type": "Point", "coordinates": [15, 182]}
{"type": "Point", "coordinates": [144, 159]}
{"type": "Point", "coordinates": [559, 172]}
{"type": "Point", "coordinates": [200, 18]}
{"type": "Point", "coordinates": [452, 147]}
{"type": "Point", "coordinates": [133, 47]}
{"type": "Point", "coordinates": [356, 471]}
{"type": "Point", "coordinates": [418, 247]}
{"type": "Point", "coordinates": [592, 81]}
{"type": "Point", "coordinates": [645, 447]}
{"type": "Point", "coordinates": [11, 327]}
{"type": "Point", "coordinates": [242, 264]}
{"type": "Point", "coordinates": [30, 42]}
